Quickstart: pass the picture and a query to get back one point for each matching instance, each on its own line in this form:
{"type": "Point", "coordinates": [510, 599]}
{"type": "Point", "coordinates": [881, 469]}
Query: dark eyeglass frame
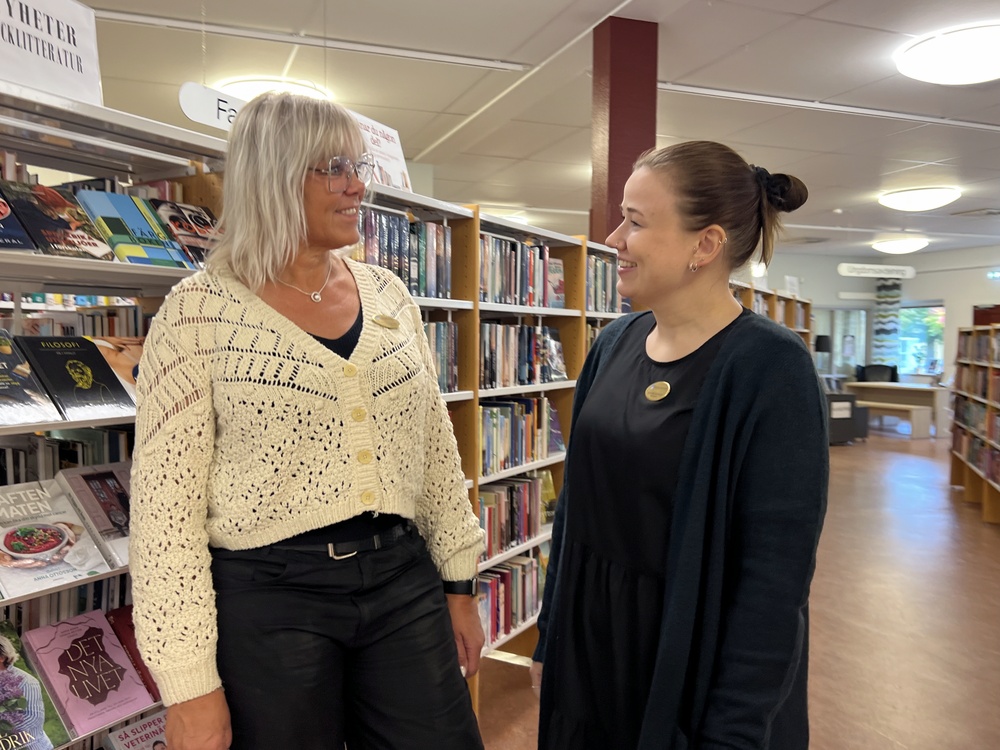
{"type": "Point", "coordinates": [339, 169]}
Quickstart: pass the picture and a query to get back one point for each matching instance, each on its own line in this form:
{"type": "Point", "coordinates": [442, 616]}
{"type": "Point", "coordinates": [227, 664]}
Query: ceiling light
{"type": "Point", "coordinates": [920, 199]}
{"type": "Point", "coordinates": [901, 247]}
{"type": "Point", "coordinates": [957, 56]}
{"type": "Point", "coordinates": [758, 269]}
{"type": "Point", "coordinates": [247, 87]}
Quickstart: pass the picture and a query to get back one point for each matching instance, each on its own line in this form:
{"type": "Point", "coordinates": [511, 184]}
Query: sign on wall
{"type": "Point", "coordinates": [51, 45]}
{"type": "Point", "coordinates": [874, 271]}
{"type": "Point", "coordinates": [218, 110]}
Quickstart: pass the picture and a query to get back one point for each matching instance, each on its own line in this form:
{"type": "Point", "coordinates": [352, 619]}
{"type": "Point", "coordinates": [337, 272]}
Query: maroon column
{"type": "Point", "coordinates": [624, 113]}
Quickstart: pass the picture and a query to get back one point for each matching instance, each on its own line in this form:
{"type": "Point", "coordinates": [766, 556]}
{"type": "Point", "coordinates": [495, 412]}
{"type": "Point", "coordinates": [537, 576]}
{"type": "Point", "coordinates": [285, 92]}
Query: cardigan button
{"type": "Point", "coordinates": [359, 414]}
{"type": "Point", "coordinates": [350, 370]}
{"type": "Point", "coordinates": [365, 456]}
{"type": "Point", "coordinates": [368, 497]}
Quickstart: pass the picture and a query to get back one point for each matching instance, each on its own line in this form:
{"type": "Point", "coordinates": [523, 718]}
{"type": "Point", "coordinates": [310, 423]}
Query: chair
{"type": "Point", "coordinates": [876, 373]}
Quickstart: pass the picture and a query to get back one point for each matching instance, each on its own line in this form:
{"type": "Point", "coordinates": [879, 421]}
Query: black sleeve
{"type": "Point", "coordinates": [779, 504]}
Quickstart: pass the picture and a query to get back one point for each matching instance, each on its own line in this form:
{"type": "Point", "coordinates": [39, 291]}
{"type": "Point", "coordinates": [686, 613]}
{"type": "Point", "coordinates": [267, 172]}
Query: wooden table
{"type": "Point", "coordinates": [914, 394]}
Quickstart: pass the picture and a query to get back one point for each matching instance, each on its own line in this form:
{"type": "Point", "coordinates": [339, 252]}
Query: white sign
{"type": "Point", "coordinates": [871, 271]}
{"type": "Point", "coordinates": [208, 106]}
{"type": "Point", "coordinates": [840, 410]}
{"type": "Point", "coordinates": [51, 45]}
{"type": "Point", "coordinates": [383, 144]}
{"type": "Point", "coordinates": [218, 110]}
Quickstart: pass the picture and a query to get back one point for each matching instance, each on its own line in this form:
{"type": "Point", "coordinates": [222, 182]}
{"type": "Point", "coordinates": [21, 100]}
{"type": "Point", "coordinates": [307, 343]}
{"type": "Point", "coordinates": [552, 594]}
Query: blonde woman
{"type": "Point", "coordinates": [303, 549]}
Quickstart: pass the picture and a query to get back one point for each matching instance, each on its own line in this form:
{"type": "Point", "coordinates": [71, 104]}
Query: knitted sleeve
{"type": "Point", "coordinates": [174, 600]}
{"type": "Point", "coordinates": [444, 514]}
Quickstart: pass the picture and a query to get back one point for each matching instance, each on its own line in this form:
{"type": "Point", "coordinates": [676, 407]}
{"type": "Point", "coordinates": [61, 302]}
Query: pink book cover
{"type": "Point", "coordinates": [87, 672]}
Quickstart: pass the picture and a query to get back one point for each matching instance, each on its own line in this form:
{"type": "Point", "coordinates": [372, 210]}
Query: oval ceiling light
{"type": "Point", "coordinates": [901, 247]}
{"type": "Point", "coordinates": [247, 87]}
{"type": "Point", "coordinates": [920, 199]}
{"type": "Point", "coordinates": [958, 56]}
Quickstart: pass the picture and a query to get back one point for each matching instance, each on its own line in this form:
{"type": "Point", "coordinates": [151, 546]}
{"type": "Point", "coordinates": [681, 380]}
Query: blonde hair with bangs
{"type": "Point", "coordinates": [274, 141]}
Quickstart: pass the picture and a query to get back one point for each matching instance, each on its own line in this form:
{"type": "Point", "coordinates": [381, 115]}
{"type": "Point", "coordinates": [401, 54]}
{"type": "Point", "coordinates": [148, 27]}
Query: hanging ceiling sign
{"type": "Point", "coordinates": [207, 106]}
{"type": "Point", "coordinates": [873, 271]}
{"type": "Point", "coordinates": [51, 45]}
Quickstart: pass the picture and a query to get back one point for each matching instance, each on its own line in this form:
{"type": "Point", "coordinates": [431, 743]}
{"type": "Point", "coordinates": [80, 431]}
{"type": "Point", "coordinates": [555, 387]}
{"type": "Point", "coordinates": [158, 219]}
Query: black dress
{"type": "Point", "coordinates": [615, 545]}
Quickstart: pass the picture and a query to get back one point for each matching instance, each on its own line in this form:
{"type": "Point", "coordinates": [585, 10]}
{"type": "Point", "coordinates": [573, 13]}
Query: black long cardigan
{"type": "Point", "coordinates": [731, 667]}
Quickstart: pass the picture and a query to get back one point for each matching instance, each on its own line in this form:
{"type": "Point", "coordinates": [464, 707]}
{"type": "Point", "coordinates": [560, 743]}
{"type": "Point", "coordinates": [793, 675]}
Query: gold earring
{"type": "Point", "coordinates": [693, 266]}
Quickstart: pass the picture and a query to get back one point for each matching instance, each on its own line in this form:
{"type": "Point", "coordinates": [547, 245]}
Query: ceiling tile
{"type": "Point", "coordinates": [519, 140]}
{"type": "Point", "coordinates": [906, 16]}
{"type": "Point", "coordinates": [692, 117]}
{"type": "Point", "coordinates": [469, 168]}
{"type": "Point", "coordinates": [573, 149]}
{"type": "Point", "coordinates": [545, 176]}
{"type": "Point", "coordinates": [810, 130]}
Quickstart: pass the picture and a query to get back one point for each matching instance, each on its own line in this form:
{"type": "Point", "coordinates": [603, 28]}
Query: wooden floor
{"type": "Point", "coordinates": [905, 614]}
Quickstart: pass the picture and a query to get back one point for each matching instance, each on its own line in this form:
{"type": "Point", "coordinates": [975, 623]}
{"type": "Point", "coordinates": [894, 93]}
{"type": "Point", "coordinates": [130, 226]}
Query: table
{"type": "Point", "coordinates": [914, 394]}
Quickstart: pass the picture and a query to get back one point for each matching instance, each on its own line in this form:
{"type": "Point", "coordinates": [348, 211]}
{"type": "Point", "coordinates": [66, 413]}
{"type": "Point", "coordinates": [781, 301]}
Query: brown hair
{"type": "Point", "coordinates": [715, 185]}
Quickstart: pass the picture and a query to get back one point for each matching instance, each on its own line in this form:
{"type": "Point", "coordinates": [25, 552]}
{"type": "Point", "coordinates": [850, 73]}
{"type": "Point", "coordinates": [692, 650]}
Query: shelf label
{"type": "Point", "coordinates": [207, 106]}
{"type": "Point", "coordinates": [873, 271]}
{"type": "Point", "coordinates": [51, 45]}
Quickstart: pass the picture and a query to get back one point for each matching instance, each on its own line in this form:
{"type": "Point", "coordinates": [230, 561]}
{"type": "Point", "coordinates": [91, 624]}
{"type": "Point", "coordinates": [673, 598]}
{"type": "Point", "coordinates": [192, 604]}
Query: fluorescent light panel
{"type": "Point", "coordinates": [957, 56]}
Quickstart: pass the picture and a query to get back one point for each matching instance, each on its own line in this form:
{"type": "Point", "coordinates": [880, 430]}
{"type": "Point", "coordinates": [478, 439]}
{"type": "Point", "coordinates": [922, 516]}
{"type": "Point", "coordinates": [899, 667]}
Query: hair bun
{"type": "Point", "coordinates": [784, 192]}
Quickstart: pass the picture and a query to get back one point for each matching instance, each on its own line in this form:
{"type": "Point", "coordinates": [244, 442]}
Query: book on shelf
{"type": "Point", "coordinates": [87, 671]}
{"type": "Point", "coordinates": [102, 494]}
{"type": "Point", "coordinates": [43, 540]}
{"type": "Point", "coordinates": [136, 236]}
{"type": "Point", "coordinates": [146, 733]}
{"type": "Point", "coordinates": [553, 361]}
{"type": "Point", "coordinates": [28, 717]}
{"type": "Point", "coordinates": [124, 627]}
{"type": "Point", "coordinates": [54, 221]}
{"type": "Point", "coordinates": [549, 495]}
{"type": "Point", "coordinates": [77, 377]}
{"type": "Point", "coordinates": [556, 284]}
{"type": "Point", "coordinates": [23, 400]}
{"type": "Point", "coordinates": [556, 442]}
{"type": "Point", "coordinates": [12, 233]}
{"type": "Point", "coordinates": [122, 353]}
{"type": "Point", "coordinates": [194, 227]}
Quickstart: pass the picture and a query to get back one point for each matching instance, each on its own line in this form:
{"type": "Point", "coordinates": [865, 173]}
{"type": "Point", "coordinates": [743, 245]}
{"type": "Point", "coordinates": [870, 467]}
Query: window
{"type": "Point", "coordinates": [850, 340]}
{"type": "Point", "coordinates": [921, 340]}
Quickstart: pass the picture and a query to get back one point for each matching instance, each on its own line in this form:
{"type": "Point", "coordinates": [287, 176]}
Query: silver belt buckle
{"type": "Point", "coordinates": [333, 553]}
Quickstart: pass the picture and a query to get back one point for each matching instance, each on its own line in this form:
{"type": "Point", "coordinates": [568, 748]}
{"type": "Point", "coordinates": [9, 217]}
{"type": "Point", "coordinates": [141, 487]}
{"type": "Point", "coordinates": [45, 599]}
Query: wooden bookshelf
{"type": "Point", "coordinates": [975, 454]}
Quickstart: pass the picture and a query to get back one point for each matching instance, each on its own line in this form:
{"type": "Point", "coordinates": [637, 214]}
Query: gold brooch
{"type": "Point", "coordinates": [385, 321]}
{"type": "Point", "coordinates": [657, 391]}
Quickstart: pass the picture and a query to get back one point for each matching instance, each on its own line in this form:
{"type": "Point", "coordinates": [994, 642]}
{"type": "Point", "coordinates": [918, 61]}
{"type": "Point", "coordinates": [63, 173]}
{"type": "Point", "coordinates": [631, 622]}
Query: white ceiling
{"type": "Point", "coordinates": [521, 139]}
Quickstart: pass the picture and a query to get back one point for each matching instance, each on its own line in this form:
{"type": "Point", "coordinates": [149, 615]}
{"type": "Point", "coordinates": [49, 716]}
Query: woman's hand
{"type": "Point", "coordinates": [535, 672]}
{"type": "Point", "coordinates": [469, 638]}
{"type": "Point", "coordinates": [200, 724]}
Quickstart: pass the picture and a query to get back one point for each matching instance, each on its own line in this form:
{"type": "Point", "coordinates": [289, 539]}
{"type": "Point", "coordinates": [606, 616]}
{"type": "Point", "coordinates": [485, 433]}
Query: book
{"type": "Point", "coordinates": [124, 627]}
{"type": "Point", "coordinates": [553, 361]}
{"type": "Point", "coordinates": [12, 233]}
{"type": "Point", "coordinates": [122, 353]}
{"type": "Point", "coordinates": [194, 227]}
{"type": "Point", "coordinates": [87, 671]}
{"type": "Point", "coordinates": [77, 377]}
{"type": "Point", "coordinates": [135, 236]}
{"type": "Point", "coordinates": [43, 540]}
{"type": "Point", "coordinates": [28, 718]}
{"type": "Point", "coordinates": [147, 733]}
{"type": "Point", "coordinates": [54, 221]}
{"type": "Point", "coordinates": [23, 400]}
{"type": "Point", "coordinates": [556, 283]}
{"type": "Point", "coordinates": [556, 441]}
{"type": "Point", "coordinates": [102, 494]}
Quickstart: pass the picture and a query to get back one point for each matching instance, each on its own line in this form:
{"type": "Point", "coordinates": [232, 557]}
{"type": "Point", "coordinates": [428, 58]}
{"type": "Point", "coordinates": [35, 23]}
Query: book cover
{"type": "Point", "coordinates": [194, 227]}
{"type": "Point", "coordinates": [77, 377]}
{"type": "Point", "coordinates": [554, 366]}
{"type": "Point", "coordinates": [556, 281]}
{"type": "Point", "coordinates": [557, 444]}
{"type": "Point", "coordinates": [54, 221]}
{"type": "Point", "coordinates": [102, 493]}
{"type": "Point", "coordinates": [122, 353]}
{"type": "Point", "coordinates": [23, 400]}
{"type": "Point", "coordinates": [12, 233]}
{"type": "Point", "coordinates": [126, 228]}
{"type": "Point", "coordinates": [87, 671]}
{"type": "Point", "coordinates": [43, 540]}
{"type": "Point", "coordinates": [124, 627]}
{"type": "Point", "coordinates": [28, 718]}
{"type": "Point", "coordinates": [147, 733]}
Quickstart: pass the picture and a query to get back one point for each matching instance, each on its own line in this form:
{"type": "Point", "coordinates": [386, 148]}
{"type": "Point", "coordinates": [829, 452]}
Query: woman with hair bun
{"type": "Point", "coordinates": [675, 612]}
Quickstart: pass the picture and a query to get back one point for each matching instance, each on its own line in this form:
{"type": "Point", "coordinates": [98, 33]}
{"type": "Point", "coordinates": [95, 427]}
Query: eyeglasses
{"type": "Point", "coordinates": [338, 172]}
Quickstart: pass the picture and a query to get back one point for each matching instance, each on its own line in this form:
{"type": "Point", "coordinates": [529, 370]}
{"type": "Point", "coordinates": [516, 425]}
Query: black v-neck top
{"type": "Point", "coordinates": [344, 346]}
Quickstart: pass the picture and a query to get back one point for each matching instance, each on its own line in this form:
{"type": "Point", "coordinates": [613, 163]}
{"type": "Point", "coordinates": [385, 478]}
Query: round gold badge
{"type": "Point", "coordinates": [657, 391]}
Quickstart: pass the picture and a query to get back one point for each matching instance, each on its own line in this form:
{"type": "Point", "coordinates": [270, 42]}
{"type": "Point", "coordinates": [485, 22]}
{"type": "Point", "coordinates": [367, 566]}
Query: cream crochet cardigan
{"type": "Point", "coordinates": [249, 431]}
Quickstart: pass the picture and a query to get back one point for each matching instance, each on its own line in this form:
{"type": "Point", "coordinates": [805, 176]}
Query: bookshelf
{"type": "Point", "coordinates": [787, 310]}
{"type": "Point", "coordinates": [975, 452]}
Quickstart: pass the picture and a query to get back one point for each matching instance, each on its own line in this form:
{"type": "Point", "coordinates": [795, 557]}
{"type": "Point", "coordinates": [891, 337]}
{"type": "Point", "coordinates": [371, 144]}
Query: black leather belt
{"type": "Point", "coordinates": [344, 550]}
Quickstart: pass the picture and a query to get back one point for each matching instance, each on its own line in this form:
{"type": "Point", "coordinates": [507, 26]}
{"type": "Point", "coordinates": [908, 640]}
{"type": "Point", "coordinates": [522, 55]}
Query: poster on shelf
{"type": "Point", "coordinates": [51, 45]}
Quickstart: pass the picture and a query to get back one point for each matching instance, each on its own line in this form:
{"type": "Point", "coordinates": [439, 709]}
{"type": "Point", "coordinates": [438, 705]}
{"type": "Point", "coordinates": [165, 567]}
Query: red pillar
{"type": "Point", "coordinates": [624, 113]}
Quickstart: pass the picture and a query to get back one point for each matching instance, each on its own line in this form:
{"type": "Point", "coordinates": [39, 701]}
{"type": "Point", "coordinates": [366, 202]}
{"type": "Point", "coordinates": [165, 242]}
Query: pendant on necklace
{"type": "Point", "coordinates": [315, 297]}
{"type": "Point", "coordinates": [657, 391]}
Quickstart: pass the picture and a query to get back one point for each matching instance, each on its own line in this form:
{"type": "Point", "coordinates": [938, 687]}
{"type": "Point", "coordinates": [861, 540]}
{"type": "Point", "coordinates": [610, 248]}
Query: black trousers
{"type": "Point", "coordinates": [316, 652]}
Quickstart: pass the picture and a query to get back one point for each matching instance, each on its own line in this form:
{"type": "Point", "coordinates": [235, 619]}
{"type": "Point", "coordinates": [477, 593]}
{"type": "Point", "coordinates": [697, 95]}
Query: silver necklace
{"type": "Point", "coordinates": [314, 296]}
